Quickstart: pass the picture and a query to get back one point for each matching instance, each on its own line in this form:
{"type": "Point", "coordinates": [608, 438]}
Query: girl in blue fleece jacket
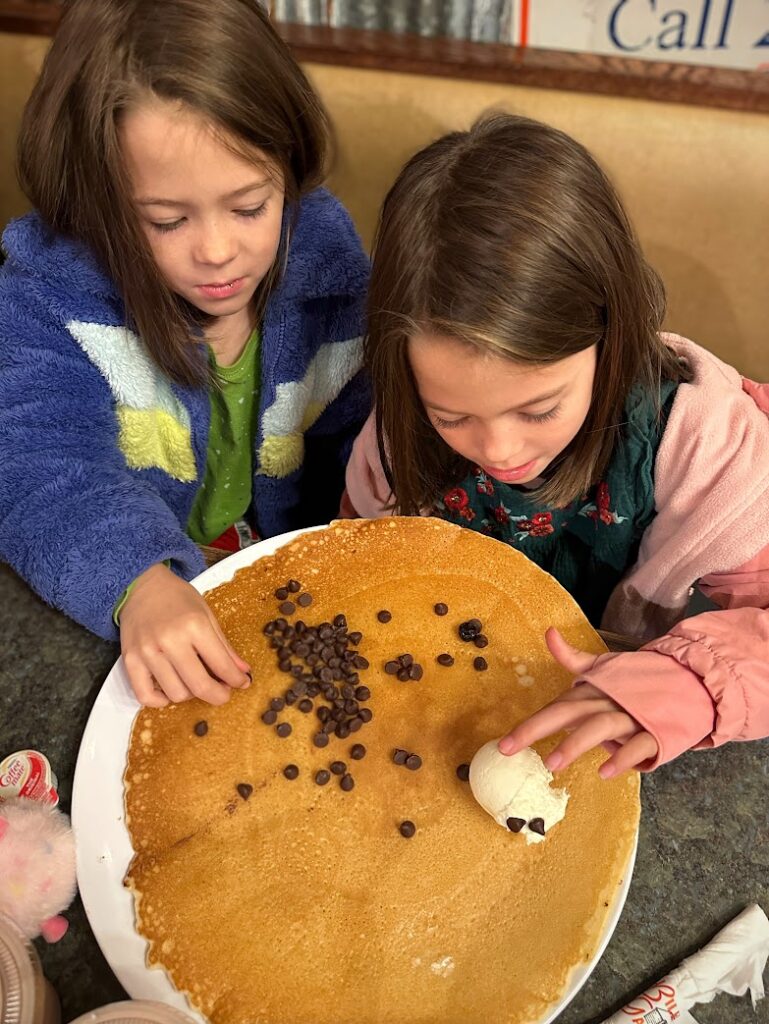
{"type": "Point", "coordinates": [180, 324]}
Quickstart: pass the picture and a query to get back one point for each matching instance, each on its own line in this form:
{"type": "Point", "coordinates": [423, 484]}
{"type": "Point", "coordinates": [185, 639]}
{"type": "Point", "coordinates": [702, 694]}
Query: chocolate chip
{"type": "Point", "coordinates": [323, 713]}
{"type": "Point", "coordinates": [281, 593]}
{"type": "Point", "coordinates": [515, 824]}
{"type": "Point", "coordinates": [392, 668]}
{"type": "Point", "coordinates": [359, 661]}
{"type": "Point", "coordinates": [244, 790]}
{"type": "Point", "coordinates": [463, 772]}
{"type": "Point", "coordinates": [347, 782]}
{"type": "Point", "coordinates": [300, 687]}
{"type": "Point", "coordinates": [283, 730]}
{"type": "Point", "coordinates": [413, 762]}
{"type": "Point", "coordinates": [365, 714]}
{"type": "Point", "coordinates": [404, 675]}
{"type": "Point", "coordinates": [269, 629]}
{"type": "Point", "coordinates": [340, 622]}
{"type": "Point", "coordinates": [305, 599]}
{"type": "Point", "coordinates": [407, 829]}
{"type": "Point", "coordinates": [480, 664]}
{"type": "Point", "coordinates": [338, 767]}
{"type": "Point", "coordinates": [406, 660]}
{"type": "Point", "coordinates": [415, 672]}
{"type": "Point", "coordinates": [351, 707]}
{"type": "Point", "coordinates": [294, 586]}
{"type": "Point", "coordinates": [357, 751]}
{"type": "Point", "coordinates": [481, 640]}
{"type": "Point", "coordinates": [201, 728]}
{"type": "Point", "coordinates": [362, 693]}
{"type": "Point", "coordinates": [354, 724]}
{"type": "Point", "coordinates": [537, 825]}
{"type": "Point", "coordinates": [305, 705]}
{"type": "Point", "coordinates": [399, 756]}
{"type": "Point", "coordinates": [287, 608]}
{"type": "Point", "coordinates": [290, 697]}
{"type": "Point", "coordinates": [280, 624]}
{"type": "Point", "coordinates": [355, 638]}
{"type": "Point", "coordinates": [445, 659]}
{"type": "Point", "coordinates": [284, 666]}
{"type": "Point", "coordinates": [322, 776]}
{"type": "Point", "coordinates": [270, 717]}
{"type": "Point", "coordinates": [470, 629]}
{"type": "Point", "coordinates": [320, 739]}
{"type": "Point", "coordinates": [342, 730]}
{"type": "Point", "coordinates": [441, 608]}
{"type": "Point", "coordinates": [329, 726]}
{"type": "Point", "coordinates": [277, 703]}
{"type": "Point", "coordinates": [291, 771]}
{"type": "Point", "coordinates": [384, 615]}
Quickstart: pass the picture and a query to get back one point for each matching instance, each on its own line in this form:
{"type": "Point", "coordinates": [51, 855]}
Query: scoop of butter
{"type": "Point", "coordinates": [516, 791]}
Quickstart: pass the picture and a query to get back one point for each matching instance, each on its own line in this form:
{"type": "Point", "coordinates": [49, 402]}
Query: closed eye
{"type": "Point", "coordinates": [165, 227]}
{"type": "Point", "coordinates": [542, 417]}
{"type": "Point", "coordinates": [448, 424]}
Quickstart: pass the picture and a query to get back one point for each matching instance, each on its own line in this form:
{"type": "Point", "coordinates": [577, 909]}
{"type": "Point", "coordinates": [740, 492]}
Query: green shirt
{"type": "Point", "coordinates": [225, 494]}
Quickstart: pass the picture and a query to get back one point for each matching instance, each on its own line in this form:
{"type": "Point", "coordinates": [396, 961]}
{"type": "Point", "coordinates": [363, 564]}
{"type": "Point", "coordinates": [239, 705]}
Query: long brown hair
{"type": "Point", "coordinates": [222, 58]}
{"type": "Point", "coordinates": [508, 237]}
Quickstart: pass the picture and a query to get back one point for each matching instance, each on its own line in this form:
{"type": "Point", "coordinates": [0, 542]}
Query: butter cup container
{"type": "Point", "coordinates": [137, 1011]}
{"type": "Point", "coordinates": [26, 997]}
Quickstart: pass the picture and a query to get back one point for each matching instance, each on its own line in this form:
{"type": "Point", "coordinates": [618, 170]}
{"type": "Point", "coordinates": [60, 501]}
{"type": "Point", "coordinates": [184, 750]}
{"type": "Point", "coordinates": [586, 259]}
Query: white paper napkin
{"type": "Point", "coordinates": [733, 963]}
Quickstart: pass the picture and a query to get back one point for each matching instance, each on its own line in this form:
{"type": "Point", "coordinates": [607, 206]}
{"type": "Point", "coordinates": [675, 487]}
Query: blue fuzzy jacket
{"type": "Point", "coordinates": [101, 454]}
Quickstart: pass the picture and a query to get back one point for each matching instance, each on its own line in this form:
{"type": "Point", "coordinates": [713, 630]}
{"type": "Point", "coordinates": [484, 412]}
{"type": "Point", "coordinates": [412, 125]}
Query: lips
{"type": "Point", "coordinates": [509, 475]}
{"type": "Point", "coordinates": [221, 289]}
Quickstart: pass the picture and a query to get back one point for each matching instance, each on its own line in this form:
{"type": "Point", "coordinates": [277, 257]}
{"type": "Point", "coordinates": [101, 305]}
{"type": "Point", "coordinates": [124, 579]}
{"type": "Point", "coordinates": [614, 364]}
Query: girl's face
{"type": "Point", "coordinates": [212, 218]}
{"type": "Point", "coordinates": [509, 419]}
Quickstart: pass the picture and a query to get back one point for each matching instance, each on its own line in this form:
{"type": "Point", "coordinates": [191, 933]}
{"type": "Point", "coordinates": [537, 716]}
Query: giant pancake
{"type": "Point", "coordinates": [279, 900]}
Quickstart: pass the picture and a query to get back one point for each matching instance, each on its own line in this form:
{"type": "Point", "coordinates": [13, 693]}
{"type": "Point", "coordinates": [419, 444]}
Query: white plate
{"type": "Point", "coordinates": [104, 848]}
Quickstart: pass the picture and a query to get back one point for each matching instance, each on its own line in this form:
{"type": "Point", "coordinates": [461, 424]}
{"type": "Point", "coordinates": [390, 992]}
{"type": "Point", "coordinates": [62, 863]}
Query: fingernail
{"type": "Point", "coordinates": [250, 678]}
{"type": "Point", "coordinates": [554, 761]}
{"type": "Point", "coordinates": [507, 747]}
{"type": "Point", "coordinates": [607, 771]}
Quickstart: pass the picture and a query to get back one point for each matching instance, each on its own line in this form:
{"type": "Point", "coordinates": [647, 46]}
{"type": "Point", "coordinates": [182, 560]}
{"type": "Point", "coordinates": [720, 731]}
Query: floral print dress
{"type": "Point", "coordinates": [589, 545]}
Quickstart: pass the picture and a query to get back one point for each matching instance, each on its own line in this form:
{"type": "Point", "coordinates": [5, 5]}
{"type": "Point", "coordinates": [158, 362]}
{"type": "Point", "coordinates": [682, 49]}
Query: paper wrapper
{"type": "Point", "coordinates": [732, 963]}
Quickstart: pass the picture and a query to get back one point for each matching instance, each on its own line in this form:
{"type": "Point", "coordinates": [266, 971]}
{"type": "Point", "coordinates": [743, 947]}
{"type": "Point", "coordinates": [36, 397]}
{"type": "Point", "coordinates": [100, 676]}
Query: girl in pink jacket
{"type": "Point", "coordinates": [523, 389]}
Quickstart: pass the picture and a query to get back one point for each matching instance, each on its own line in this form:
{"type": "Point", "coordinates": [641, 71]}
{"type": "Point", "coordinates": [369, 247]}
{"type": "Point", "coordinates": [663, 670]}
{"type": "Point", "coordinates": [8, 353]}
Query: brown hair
{"type": "Point", "coordinates": [222, 58]}
{"type": "Point", "coordinates": [510, 238]}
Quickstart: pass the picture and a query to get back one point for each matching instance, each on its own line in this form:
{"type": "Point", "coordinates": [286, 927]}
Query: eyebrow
{"type": "Point", "coordinates": [152, 201]}
{"type": "Point", "coordinates": [515, 408]}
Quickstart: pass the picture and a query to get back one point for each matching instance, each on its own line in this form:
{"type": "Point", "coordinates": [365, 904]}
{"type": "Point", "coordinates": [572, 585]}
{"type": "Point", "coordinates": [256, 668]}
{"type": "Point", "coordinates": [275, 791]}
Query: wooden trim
{"type": "Point", "coordinates": [697, 85]}
{"type": "Point", "coordinates": [549, 69]}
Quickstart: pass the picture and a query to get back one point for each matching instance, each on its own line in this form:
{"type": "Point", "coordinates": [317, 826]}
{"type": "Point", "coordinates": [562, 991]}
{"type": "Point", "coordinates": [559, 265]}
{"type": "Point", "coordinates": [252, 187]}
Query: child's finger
{"type": "Point", "coordinates": [638, 749]}
{"type": "Point", "coordinates": [575, 661]}
{"type": "Point", "coordinates": [167, 678]}
{"type": "Point", "coordinates": [143, 684]}
{"type": "Point", "coordinates": [243, 679]}
{"type": "Point", "coordinates": [553, 718]}
{"type": "Point", "coordinates": [606, 725]}
{"type": "Point", "coordinates": [197, 679]}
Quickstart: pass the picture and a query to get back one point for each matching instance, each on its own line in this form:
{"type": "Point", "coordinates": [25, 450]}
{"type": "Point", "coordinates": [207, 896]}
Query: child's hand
{"type": "Point", "coordinates": [173, 647]}
{"type": "Point", "coordinates": [588, 715]}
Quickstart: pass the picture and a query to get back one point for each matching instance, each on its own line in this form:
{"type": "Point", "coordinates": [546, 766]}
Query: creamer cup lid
{"type": "Point", "coordinates": [27, 774]}
{"type": "Point", "coordinates": [136, 1011]}
{"type": "Point", "coordinates": [22, 986]}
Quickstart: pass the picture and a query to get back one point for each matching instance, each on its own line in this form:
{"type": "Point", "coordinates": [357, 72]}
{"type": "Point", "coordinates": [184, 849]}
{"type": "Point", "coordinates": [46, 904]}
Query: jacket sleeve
{"type": "Point", "coordinates": [75, 523]}
{"type": "Point", "coordinates": [706, 681]}
{"type": "Point", "coordinates": [368, 494]}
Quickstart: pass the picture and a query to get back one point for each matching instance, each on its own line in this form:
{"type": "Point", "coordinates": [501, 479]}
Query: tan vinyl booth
{"type": "Point", "coordinates": [695, 179]}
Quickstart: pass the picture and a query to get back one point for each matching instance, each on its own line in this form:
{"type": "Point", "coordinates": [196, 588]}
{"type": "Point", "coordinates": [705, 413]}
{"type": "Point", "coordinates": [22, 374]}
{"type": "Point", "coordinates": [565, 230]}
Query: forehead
{"type": "Point", "coordinates": [455, 376]}
{"type": "Point", "coordinates": [167, 144]}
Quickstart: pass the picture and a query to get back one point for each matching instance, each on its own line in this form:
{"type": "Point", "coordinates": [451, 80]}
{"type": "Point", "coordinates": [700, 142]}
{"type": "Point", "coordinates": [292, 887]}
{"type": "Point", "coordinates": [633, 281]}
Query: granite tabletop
{"type": "Point", "coordinates": [703, 851]}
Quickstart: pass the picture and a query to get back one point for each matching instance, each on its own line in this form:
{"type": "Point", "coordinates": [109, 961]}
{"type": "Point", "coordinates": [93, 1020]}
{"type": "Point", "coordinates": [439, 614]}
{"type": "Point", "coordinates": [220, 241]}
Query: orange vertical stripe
{"type": "Point", "coordinates": [524, 24]}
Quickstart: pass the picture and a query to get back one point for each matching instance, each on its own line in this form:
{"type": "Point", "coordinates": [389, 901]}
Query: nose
{"type": "Point", "coordinates": [496, 444]}
{"type": "Point", "coordinates": [215, 244]}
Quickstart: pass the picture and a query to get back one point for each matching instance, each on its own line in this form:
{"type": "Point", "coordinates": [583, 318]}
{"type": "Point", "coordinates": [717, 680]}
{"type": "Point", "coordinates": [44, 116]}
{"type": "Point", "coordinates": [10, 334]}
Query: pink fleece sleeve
{"type": "Point", "coordinates": [367, 490]}
{"type": "Point", "coordinates": [706, 681]}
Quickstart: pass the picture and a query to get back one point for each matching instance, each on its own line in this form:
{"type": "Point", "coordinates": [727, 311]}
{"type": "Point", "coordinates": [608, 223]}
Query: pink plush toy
{"type": "Point", "coordinates": [37, 867]}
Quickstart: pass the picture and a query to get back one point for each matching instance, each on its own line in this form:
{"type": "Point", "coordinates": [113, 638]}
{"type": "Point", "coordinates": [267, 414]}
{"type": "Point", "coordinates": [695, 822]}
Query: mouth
{"type": "Point", "coordinates": [221, 289]}
{"type": "Point", "coordinates": [508, 475]}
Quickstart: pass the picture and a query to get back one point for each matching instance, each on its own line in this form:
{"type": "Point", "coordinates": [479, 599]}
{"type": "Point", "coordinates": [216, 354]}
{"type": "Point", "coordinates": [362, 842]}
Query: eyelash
{"type": "Point", "coordinates": [164, 229]}
{"type": "Point", "coordinates": [541, 417]}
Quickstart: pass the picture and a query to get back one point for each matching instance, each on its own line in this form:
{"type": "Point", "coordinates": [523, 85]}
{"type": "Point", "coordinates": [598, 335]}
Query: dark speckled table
{"type": "Point", "coordinates": [703, 852]}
